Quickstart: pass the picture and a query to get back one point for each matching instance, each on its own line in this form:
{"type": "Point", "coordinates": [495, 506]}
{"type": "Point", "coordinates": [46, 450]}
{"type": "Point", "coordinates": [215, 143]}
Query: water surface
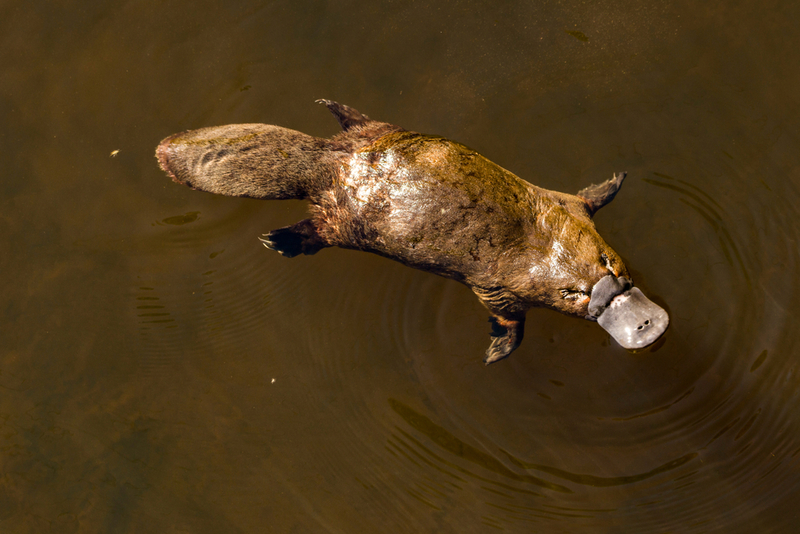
{"type": "Point", "coordinates": [161, 371]}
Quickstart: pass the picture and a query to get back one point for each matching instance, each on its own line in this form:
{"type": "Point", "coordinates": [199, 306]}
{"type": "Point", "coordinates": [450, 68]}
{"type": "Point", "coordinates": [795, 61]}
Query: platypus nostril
{"type": "Point", "coordinates": [633, 320]}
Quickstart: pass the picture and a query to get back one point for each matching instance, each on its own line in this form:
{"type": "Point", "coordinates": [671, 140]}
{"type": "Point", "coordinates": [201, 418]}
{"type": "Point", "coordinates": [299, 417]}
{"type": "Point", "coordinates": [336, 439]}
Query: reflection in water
{"type": "Point", "coordinates": [760, 360]}
{"type": "Point", "coordinates": [703, 205]}
{"type": "Point", "coordinates": [178, 220]}
{"type": "Point", "coordinates": [156, 327]}
{"type": "Point", "coordinates": [453, 445]}
{"type": "Point", "coordinates": [578, 35]}
{"type": "Point", "coordinates": [656, 410]}
{"type": "Point", "coordinates": [604, 482]}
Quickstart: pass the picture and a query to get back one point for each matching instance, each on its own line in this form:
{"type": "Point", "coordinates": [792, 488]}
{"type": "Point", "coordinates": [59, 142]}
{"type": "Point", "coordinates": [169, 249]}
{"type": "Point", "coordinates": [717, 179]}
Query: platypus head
{"type": "Point", "coordinates": [586, 278]}
{"type": "Point", "coordinates": [583, 276]}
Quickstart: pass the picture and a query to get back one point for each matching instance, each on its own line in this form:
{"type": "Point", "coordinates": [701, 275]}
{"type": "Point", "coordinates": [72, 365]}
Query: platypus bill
{"type": "Point", "coordinates": [434, 205]}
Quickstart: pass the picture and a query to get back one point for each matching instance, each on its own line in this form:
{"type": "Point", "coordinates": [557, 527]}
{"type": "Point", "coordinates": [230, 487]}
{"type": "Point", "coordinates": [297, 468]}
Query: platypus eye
{"type": "Point", "coordinates": [572, 293]}
{"type": "Point", "coordinates": [606, 262]}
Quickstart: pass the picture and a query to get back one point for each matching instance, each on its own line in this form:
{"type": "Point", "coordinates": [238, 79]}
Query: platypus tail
{"type": "Point", "coordinates": [265, 161]}
{"type": "Point", "coordinates": [247, 160]}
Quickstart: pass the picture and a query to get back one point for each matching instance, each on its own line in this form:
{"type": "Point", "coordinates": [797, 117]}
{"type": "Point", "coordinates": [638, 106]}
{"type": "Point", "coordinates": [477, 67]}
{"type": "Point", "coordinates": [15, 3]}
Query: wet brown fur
{"type": "Point", "coordinates": [422, 200]}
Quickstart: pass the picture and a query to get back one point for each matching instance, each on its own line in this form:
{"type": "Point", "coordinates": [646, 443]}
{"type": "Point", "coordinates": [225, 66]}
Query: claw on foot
{"type": "Point", "coordinates": [300, 238]}
{"type": "Point", "coordinates": [267, 242]}
{"type": "Point", "coordinates": [506, 336]}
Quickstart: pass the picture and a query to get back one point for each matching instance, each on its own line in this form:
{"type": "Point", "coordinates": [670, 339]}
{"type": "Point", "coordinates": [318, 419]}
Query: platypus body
{"type": "Point", "coordinates": [434, 205]}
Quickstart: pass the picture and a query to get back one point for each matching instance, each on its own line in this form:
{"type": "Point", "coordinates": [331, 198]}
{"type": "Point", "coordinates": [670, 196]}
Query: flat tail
{"type": "Point", "coordinates": [246, 160]}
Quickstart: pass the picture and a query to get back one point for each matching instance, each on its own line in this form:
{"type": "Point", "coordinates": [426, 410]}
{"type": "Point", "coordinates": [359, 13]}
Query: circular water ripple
{"type": "Point", "coordinates": [212, 306]}
{"type": "Point", "coordinates": [695, 433]}
{"type": "Point", "coordinates": [572, 433]}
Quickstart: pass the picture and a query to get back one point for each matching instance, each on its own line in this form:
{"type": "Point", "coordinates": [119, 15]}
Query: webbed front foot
{"type": "Point", "coordinates": [506, 336]}
{"type": "Point", "coordinates": [598, 195]}
{"type": "Point", "coordinates": [300, 238]}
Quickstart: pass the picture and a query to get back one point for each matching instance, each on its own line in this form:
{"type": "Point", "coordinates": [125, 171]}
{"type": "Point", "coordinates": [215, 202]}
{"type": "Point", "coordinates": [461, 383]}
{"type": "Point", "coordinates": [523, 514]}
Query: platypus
{"type": "Point", "coordinates": [432, 204]}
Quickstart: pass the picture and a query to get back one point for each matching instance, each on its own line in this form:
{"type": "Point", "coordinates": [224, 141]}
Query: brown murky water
{"type": "Point", "coordinates": [160, 371]}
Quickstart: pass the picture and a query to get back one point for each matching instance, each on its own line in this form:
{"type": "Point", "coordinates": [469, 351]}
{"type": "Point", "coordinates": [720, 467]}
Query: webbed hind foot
{"type": "Point", "coordinates": [506, 336]}
{"type": "Point", "coordinates": [346, 116]}
{"type": "Point", "coordinates": [300, 238]}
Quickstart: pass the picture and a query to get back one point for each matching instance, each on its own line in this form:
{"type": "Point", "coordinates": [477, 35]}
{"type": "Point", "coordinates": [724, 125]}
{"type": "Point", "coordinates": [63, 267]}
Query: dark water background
{"type": "Point", "coordinates": [160, 371]}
